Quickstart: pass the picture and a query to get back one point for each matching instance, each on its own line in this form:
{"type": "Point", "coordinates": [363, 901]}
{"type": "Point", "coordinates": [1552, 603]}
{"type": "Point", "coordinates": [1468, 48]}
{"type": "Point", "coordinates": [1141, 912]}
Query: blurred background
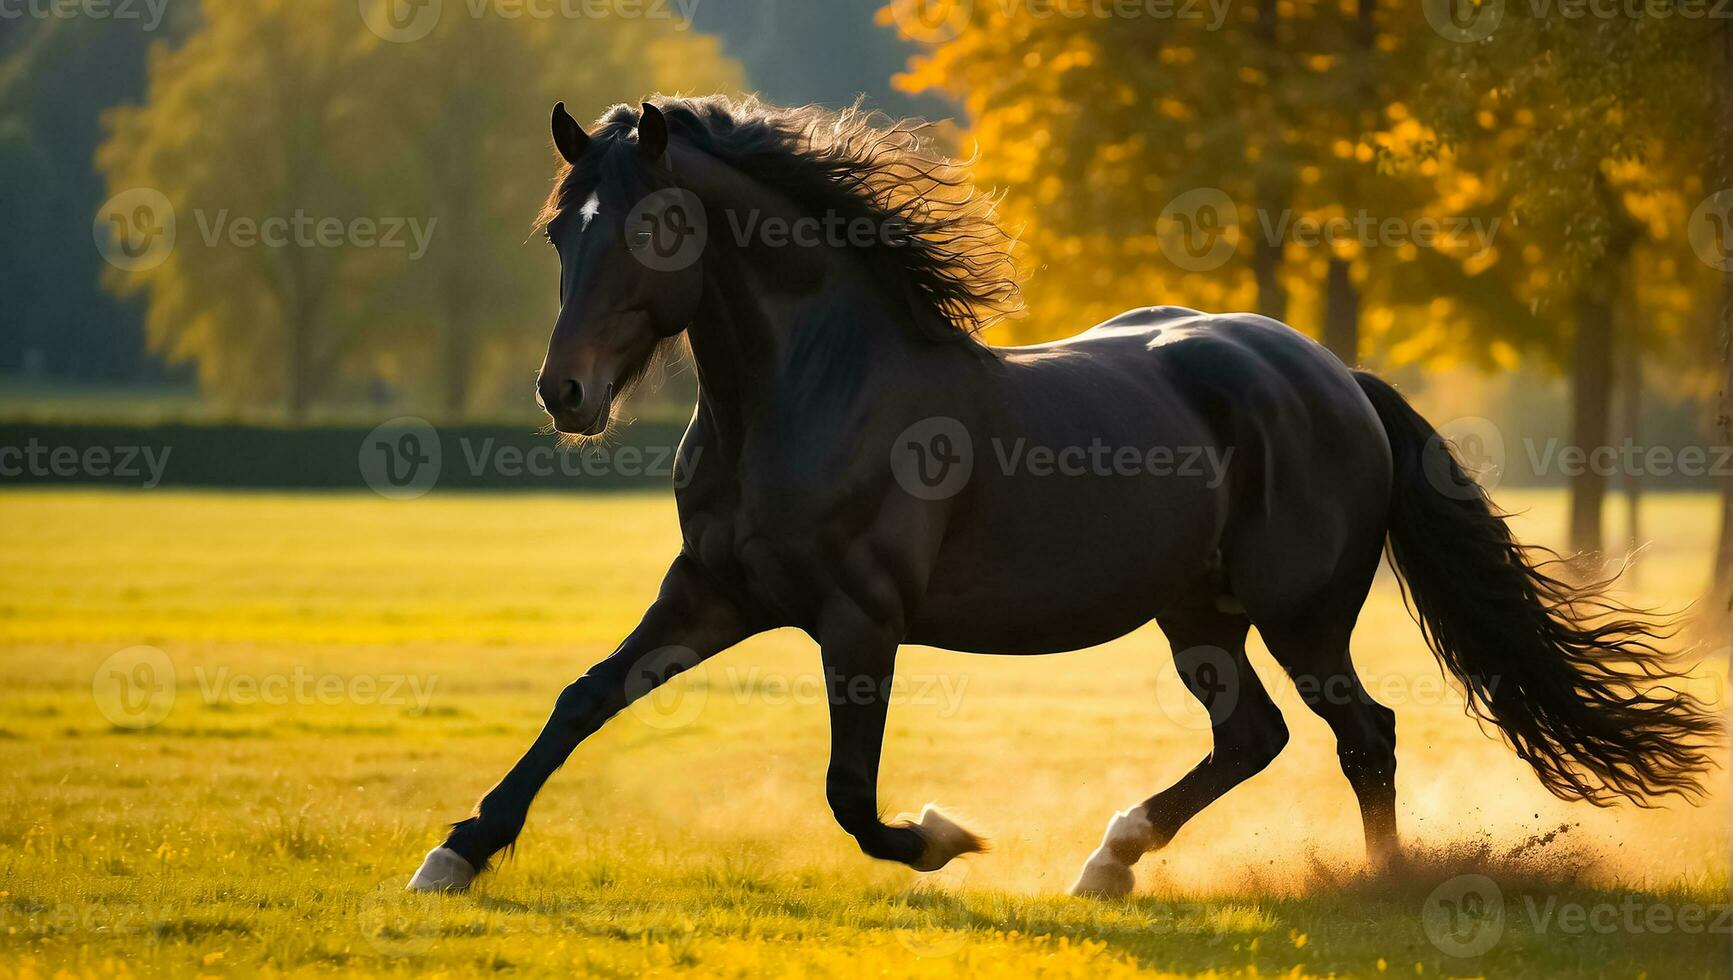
{"type": "Point", "coordinates": [1520, 214]}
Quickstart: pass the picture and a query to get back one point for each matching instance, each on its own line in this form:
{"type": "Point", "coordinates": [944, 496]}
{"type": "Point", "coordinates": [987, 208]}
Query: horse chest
{"type": "Point", "coordinates": [789, 563]}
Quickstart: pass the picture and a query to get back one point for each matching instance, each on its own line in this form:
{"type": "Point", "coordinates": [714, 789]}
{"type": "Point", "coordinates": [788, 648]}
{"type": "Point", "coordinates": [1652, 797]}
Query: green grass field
{"type": "Point", "coordinates": [326, 681]}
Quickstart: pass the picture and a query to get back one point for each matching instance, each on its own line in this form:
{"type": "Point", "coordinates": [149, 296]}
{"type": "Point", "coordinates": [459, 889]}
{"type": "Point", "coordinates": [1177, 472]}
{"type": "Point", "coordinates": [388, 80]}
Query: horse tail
{"type": "Point", "coordinates": [1572, 677]}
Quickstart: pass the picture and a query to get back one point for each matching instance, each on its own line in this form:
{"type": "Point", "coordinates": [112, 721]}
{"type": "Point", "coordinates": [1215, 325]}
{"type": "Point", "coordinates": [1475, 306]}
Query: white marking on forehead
{"type": "Point", "coordinates": [592, 204]}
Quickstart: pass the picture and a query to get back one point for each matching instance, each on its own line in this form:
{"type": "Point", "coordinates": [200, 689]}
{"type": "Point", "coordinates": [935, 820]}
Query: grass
{"type": "Point", "coordinates": [348, 674]}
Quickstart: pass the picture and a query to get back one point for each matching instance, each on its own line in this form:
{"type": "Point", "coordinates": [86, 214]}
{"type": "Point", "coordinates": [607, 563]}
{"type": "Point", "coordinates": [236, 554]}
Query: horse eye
{"type": "Point", "coordinates": [639, 240]}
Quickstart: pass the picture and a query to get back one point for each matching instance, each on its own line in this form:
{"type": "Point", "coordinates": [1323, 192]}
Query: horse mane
{"type": "Point", "coordinates": [948, 253]}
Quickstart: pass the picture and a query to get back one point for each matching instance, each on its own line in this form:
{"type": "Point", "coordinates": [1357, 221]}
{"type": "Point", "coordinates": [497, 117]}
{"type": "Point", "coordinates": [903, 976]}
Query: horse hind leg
{"type": "Point", "coordinates": [1209, 644]}
{"type": "Point", "coordinates": [1313, 649]}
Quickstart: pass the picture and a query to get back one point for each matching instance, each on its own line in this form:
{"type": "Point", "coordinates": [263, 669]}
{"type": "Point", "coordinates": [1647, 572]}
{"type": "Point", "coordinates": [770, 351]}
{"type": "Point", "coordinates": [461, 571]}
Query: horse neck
{"type": "Point", "coordinates": [781, 327]}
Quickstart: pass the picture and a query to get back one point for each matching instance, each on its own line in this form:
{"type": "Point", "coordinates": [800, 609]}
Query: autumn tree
{"type": "Point", "coordinates": [1599, 121]}
{"type": "Point", "coordinates": [353, 200]}
{"type": "Point", "coordinates": [466, 131]}
{"type": "Point", "coordinates": [266, 112]}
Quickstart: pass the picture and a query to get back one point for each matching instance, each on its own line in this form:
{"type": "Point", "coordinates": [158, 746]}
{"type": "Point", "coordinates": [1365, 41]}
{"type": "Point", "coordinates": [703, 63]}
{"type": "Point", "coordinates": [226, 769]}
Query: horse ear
{"type": "Point", "coordinates": [652, 134]}
{"type": "Point", "coordinates": [568, 135]}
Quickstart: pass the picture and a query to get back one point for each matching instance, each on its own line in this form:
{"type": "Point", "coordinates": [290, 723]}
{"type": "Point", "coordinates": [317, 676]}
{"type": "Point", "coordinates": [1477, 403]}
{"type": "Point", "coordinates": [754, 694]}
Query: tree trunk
{"type": "Point", "coordinates": [1591, 380]}
{"type": "Point", "coordinates": [1342, 313]}
{"type": "Point", "coordinates": [1722, 595]}
{"type": "Point", "coordinates": [1631, 428]}
{"type": "Point", "coordinates": [1271, 196]}
{"type": "Point", "coordinates": [1267, 254]}
{"type": "Point", "coordinates": [456, 355]}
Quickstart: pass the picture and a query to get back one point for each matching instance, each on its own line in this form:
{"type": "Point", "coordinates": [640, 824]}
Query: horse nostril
{"type": "Point", "coordinates": [571, 394]}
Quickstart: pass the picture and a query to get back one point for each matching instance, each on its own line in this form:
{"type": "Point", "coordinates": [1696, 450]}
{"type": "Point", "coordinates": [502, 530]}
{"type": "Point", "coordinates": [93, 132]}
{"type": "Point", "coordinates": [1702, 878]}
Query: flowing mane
{"type": "Point", "coordinates": [948, 252]}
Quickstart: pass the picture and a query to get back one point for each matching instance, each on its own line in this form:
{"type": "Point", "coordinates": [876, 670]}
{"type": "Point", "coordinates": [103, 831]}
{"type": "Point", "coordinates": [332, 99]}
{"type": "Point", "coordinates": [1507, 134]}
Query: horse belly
{"type": "Point", "coordinates": [1042, 565]}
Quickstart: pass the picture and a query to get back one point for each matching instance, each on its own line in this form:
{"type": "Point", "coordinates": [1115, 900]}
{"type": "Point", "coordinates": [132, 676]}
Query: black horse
{"type": "Point", "coordinates": [864, 469]}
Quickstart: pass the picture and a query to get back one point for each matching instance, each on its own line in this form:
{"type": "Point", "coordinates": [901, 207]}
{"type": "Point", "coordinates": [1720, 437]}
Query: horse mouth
{"type": "Point", "coordinates": [597, 423]}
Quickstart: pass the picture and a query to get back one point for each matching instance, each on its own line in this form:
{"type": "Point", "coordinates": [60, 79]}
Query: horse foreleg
{"type": "Point", "coordinates": [859, 662]}
{"type": "Point", "coordinates": [687, 624]}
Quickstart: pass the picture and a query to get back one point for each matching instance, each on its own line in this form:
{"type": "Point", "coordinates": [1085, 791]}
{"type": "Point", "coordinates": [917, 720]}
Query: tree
{"type": "Point", "coordinates": [1282, 116]}
{"type": "Point", "coordinates": [56, 76]}
{"type": "Point", "coordinates": [467, 134]}
{"type": "Point", "coordinates": [355, 206]}
{"type": "Point", "coordinates": [1610, 112]}
{"type": "Point", "coordinates": [264, 117]}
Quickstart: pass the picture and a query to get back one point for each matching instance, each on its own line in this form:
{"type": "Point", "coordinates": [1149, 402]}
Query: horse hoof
{"type": "Point", "coordinates": [1107, 873]}
{"type": "Point", "coordinates": [1104, 877]}
{"type": "Point", "coordinates": [945, 839]}
{"type": "Point", "coordinates": [442, 871]}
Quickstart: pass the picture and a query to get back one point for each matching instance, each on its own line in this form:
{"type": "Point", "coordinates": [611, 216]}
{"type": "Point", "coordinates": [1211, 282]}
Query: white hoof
{"type": "Point", "coordinates": [945, 839]}
{"type": "Point", "coordinates": [442, 871]}
{"type": "Point", "coordinates": [1107, 873]}
{"type": "Point", "coordinates": [1103, 877]}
